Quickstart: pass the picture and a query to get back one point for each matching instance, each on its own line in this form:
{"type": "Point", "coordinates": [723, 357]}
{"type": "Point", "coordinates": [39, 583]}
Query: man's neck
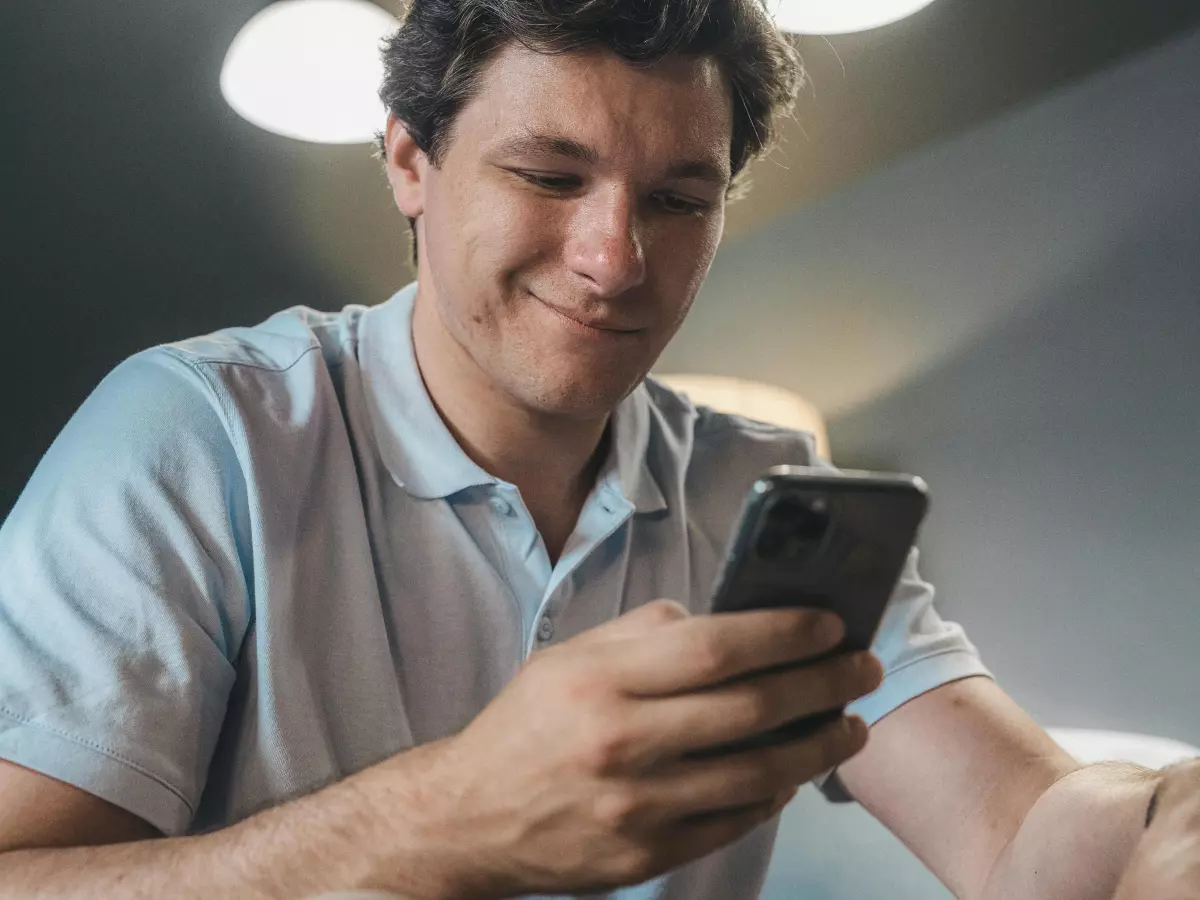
{"type": "Point", "coordinates": [553, 460]}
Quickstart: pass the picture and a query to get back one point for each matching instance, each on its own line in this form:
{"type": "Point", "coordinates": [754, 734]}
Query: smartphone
{"type": "Point", "coordinates": [832, 540]}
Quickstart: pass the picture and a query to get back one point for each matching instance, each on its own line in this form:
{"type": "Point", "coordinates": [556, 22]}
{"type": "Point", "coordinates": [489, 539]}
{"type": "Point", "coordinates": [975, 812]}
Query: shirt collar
{"type": "Point", "coordinates": [420, 452]}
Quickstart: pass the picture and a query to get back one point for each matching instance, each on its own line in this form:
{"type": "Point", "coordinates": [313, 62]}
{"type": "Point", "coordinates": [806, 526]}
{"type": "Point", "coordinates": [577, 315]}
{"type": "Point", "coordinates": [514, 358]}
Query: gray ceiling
{"type": "Point", "coordinates": [141, 208]}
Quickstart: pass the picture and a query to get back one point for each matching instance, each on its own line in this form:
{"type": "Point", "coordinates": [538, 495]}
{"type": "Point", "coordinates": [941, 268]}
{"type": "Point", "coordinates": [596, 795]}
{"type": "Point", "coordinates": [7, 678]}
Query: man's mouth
{"type": "Point", "coordinates": [609, 324]}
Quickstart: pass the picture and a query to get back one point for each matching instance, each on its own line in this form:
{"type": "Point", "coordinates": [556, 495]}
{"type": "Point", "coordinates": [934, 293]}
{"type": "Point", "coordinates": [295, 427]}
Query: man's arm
{"type": "Point", "coordinates": [991, 804]}
{"type": "Point", "coordinates": [327, 841]}
{"type": "Point", "coordinates": [38, 811]}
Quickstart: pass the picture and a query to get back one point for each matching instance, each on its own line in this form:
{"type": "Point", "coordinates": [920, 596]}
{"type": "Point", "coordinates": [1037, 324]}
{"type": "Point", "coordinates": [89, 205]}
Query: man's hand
{"type": "Point", "coordinates": [574, 779]}
{"type": "Point", "coordinates": [1166, 864]}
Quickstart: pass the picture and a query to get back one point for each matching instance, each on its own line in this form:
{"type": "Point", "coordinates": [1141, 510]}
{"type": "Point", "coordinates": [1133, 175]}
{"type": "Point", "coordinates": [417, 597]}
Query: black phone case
{"type": "Point", "coordinates": [851, 570]}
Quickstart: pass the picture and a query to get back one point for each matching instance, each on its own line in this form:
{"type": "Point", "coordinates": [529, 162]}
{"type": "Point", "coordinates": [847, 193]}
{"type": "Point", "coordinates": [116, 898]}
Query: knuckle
{"type": "Point", "coordinates": [663, 612]}
{"type": "Point", "coordinates": [638, 863]}
{"type": "Point", "coordinates": [605, 749]}
{"type": "Point", "coordinates": [752, 708]}
{"type": "Point", "coordinates": [583, 679]}
{"type": "Point", "coordinates": [711, 655]}
{"type": "Point", "coordinates": [577, 687]}
{"type": "Point", "coordinates": [617, 810]}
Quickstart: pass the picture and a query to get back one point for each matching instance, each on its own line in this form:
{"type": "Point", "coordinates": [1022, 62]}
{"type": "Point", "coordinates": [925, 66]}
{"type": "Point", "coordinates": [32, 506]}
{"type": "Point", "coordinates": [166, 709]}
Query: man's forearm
{"type": "Point", "coordinates": [1077, 839]}
{"type": "Point", "coordinates": [359, 833]}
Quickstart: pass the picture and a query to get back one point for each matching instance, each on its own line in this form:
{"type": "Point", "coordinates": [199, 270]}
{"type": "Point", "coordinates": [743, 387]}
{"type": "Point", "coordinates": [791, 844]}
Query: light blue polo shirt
{"type": "Point", "coordinates": [257, 562]}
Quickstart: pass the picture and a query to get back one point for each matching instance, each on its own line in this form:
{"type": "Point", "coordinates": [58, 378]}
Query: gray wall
{"type": "Point", "coordinates": [1015, 316]}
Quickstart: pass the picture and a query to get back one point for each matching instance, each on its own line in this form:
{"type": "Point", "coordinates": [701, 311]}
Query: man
{"type": "Point", "coordinates": [367, 599]}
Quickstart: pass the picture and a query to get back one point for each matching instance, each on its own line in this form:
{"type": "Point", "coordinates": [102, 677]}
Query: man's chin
{"type": "Point", "coordinates": [585, 401]}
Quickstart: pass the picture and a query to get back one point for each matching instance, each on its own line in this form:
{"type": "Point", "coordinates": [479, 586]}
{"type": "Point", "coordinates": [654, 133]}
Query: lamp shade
{"type": "Point", "coordinates": [754, 400]}
{"type": "Point", "coordinates": [839, 16]}
{"type": "Point", "coordinates": [310, 69]}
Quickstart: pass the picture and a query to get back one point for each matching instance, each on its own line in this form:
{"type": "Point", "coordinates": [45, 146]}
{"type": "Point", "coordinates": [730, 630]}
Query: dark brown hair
{"type": "Point", "coordinates": [432, 63]}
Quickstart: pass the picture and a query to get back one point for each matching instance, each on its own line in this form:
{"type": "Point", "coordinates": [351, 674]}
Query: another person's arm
{"type": "Point", "coordinates": [1166, 862]}
{"type": "Point", "coordinates": [992, 805]}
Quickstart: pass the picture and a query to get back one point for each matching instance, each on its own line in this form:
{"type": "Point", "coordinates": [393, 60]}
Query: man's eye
{"type": "Point", "coordinates": [673, 203]}
{"type": "Point", "coordinates": [551, 182]}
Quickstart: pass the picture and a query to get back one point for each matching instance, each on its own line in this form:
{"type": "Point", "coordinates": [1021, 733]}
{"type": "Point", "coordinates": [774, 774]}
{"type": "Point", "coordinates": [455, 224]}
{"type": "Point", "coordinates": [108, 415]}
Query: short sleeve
{"type": "Point", "coordinates": [124, 593]}
{"type": "Point", "coordinates": [919, 651]}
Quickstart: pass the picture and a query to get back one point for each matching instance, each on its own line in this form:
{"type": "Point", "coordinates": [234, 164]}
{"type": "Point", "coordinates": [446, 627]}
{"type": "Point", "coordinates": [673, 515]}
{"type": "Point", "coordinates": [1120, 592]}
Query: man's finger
{"type": "Point", "coordinates": [634, 623]}
{"type": "Point", "coordinates": [702, 651]}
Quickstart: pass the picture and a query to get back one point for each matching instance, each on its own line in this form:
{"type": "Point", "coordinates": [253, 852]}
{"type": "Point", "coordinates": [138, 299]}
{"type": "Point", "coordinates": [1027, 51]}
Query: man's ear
{"type": "Point", "coordinates": [406, 168]}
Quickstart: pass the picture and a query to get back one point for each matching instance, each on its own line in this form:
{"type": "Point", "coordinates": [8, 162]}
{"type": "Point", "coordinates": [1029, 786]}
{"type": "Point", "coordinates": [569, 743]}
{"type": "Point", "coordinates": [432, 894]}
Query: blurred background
{"type": "Point", "coordinates": [977, 253]}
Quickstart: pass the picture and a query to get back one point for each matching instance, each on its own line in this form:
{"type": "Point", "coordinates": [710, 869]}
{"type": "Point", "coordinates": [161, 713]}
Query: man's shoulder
{"type": "Point", "coordinates": [278, 344]}
{"type": "Point", "coordinates": [264, 383]}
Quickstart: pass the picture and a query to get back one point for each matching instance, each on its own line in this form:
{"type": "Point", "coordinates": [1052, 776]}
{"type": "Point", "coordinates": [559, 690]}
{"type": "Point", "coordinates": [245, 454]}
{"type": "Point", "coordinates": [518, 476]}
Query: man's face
{"type": "Point", "coordinates": [573, 219]}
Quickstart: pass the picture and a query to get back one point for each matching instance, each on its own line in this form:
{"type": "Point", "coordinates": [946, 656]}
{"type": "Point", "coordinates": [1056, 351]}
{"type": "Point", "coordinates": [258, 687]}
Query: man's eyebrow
{"type": "Point", "coordinates": [701, 170]}
{"type": "Point", "coordinates": [556, 145]}
{"type": "Point", "coordinates": [551, 145]}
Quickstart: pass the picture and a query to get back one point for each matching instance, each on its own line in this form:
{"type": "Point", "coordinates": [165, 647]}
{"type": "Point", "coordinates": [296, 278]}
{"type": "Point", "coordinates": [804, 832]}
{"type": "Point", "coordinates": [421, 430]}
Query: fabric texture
{"type": "Point", "coordinates": [256, 562]}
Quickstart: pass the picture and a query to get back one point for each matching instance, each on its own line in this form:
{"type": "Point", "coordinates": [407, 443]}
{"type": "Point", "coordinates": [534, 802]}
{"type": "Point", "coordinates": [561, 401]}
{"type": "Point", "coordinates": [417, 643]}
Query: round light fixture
{"type": "Point", "coordinates": [839, 16]}
{"type": "Point", "coordinates": [310, 69]}
{"type": "Point", "coordinates": [1091, 746]}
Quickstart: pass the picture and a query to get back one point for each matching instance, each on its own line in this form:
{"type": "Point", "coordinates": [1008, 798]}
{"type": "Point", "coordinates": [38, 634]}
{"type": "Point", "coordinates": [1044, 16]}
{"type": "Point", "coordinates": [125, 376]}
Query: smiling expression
{"type": "Point", "coordinates": [572, 220]}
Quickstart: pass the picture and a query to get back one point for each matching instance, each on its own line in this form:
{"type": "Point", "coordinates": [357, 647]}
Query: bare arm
{"type": "Point", "coordinates": [38, 811]}
{"type": "Point", "coordinates": [323, 842]}
{"type": "Point", "coordinates": [992, 805]}
{"type": "Point", "coordinates": [1166, 862]}
{"type": "Point", "coordinates": [1079, 837]}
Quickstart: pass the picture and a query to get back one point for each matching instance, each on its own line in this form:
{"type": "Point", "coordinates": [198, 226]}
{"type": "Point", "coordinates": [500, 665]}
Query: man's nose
{"type": "Point", "coordinates": [605, 246]}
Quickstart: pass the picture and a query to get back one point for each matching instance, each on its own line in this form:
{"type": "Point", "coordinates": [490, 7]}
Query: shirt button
{"type": "Point", "coordinates": [500, 505]}
{"type": "Point", "coordinates": [545, 629]}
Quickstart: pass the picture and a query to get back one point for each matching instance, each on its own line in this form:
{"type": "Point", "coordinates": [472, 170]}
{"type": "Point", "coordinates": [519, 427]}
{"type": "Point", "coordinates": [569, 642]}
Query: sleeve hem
{"type": "Point", "coordinates": [92, 769]}
{"type": "Point", "coordinates": [915, 678]}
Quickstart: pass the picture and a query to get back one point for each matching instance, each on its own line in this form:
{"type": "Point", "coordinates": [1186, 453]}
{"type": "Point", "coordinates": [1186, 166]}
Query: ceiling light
{"type": "Point", "coordinates": [310, 69]}
{"type": "Point", "coordinates": [839, 16]}
{"type": "Point", "coordinates": [1089, 746]}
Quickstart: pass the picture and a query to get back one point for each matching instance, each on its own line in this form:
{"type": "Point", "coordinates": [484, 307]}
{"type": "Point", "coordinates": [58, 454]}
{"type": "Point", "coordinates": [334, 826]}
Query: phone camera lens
{"type": "Point", "coordinates": [794, 528]}
{"type": "Point", "coordinates": [770, 544]}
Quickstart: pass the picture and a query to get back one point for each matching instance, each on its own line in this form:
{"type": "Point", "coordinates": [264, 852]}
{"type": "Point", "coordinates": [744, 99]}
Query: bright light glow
{"type": "Point", "coordinates": [310, 69]}
{"type": "Point", "coordinates": [840, 16]}
{"type": "Point", "coordinates": [754, 400]}
{"type": "Point", "coordinates": [1090, 746]}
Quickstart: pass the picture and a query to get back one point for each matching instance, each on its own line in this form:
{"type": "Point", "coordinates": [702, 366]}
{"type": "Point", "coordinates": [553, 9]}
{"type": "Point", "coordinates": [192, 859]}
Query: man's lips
{"type": "Point", "coordinates": [599, 323]}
